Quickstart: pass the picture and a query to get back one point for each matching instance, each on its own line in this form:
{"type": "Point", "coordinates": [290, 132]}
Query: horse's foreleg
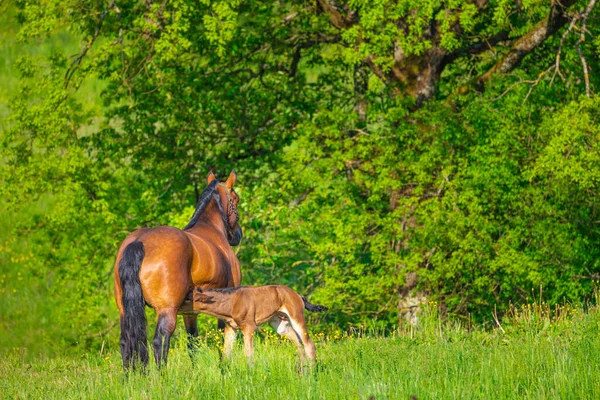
{"type": "Point", "coordinates": [249, 342]}
{"type": "Point", "coordinates": [228, 341]}
{"type": "Point", "coordinates": [167, 319]}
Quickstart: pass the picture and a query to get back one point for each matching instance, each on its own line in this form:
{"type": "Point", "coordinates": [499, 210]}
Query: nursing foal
{"type": "Point", "coordinates": [244, 308]}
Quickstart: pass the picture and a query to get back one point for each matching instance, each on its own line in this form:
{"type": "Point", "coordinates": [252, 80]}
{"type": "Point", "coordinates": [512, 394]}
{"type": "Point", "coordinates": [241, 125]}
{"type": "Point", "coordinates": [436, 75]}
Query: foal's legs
{"type": "Point", "coordinates": [249, 330]}
{"type": "Point", "coordinates": [299, 326]}
{"type": "Point", "coordinates": [228, 341]}
{"type": "Point", "coordinates": [283, 328]}
{"type": "Point", "coordinates": [167, 319]}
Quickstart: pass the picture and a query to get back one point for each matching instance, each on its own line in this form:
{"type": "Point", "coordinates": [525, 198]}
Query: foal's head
{"type": "Point", "coordinates": [228, 201]}
{"type": "Point", "coordinates": [200, 297]}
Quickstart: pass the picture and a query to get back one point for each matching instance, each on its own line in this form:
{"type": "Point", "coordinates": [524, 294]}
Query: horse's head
{"type": "Point", "coordinates": [228, 201]}
{"type": "Point", "coordinates": [201, 297]}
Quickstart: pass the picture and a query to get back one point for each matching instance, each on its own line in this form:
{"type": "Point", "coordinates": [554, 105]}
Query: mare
{"type": "Point", "coordinates": [159, 266]}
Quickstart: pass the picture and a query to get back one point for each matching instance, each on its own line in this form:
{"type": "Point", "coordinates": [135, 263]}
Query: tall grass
{"type": "Point", "coordinates": [533, 356]}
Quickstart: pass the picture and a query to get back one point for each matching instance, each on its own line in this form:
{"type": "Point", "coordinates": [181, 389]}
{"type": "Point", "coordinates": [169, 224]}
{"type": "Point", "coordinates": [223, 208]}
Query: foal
{"type": "Point", "coordinates": [244, 308]}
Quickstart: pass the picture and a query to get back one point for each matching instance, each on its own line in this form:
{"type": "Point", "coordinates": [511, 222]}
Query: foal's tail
{"type": "Point", "coordinates": [133, 320]}
{"type": "Point", "coordinates": [313, 307]}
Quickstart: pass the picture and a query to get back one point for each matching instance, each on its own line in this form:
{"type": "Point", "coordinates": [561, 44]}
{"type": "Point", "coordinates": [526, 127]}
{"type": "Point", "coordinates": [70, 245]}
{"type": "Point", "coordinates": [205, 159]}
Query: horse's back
{"type": "Point", "coordinates": [291, 300]}
{"type": "Point", "coordinates": [165, 245]}
{"type": "Point", "coordinates": [165, 270]}
{"type": "Point", "coordinates": [286, 293]}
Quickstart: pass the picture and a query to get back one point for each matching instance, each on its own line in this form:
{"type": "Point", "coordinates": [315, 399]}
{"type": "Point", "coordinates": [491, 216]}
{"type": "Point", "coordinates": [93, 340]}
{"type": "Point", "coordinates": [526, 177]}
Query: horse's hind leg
{"type": "Point", "coordinates": [282, 327]}
{"type": "Point", "coordinates": [165, 326]}
{"type": "Point", "coordinates": [299, 326]}
{"type": "Point", "coordinates": [191, 327]}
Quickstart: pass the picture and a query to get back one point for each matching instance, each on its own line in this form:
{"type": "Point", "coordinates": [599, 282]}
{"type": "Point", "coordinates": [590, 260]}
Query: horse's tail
{"type": "Point", "coordinates": [313, 307]}
{"type": "Point", "coordinates": [133, 320]}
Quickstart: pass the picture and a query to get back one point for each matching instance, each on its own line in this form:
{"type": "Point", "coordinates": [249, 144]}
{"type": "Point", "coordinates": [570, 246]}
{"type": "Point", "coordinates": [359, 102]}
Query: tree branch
{"type": "Point", "coordinates": [298, 54]}
{"type": "Point", "coordinates": [584, 18]}
{"type": "Point", "coordinates": [336, 18]}
{"type": "Point", "coordinates": [478, 47]}
{"type": "Point", "coordinates": [531, 40]}
{"type": "Point", "coordinates": [560, 46]}
{"type": "Point", "coordinates": [77, 62]}
{"type": "Point", "coordinates": [361, 86]}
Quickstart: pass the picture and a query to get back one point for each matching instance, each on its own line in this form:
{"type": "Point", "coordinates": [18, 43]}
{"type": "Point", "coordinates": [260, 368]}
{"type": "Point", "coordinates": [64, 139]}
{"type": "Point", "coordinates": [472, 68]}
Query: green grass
{"type": "Point", "coordinates": [535, 358]}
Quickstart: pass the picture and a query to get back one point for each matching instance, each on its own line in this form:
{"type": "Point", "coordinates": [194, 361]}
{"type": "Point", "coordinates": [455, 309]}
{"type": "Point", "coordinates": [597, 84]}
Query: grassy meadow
{"type": "Point", "coordinates": [538, 353]}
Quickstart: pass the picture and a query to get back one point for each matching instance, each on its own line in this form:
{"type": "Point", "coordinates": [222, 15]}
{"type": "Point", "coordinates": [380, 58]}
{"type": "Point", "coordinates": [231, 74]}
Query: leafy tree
{"type": "Point", "coordinates": [384, 147]}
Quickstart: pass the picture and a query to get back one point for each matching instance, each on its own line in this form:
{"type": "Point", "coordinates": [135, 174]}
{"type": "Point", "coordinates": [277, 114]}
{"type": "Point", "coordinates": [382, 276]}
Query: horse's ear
{"type": "Point", "coordinates": [210, 178]}
{"type": "Point", "coordinates": [231, 179]}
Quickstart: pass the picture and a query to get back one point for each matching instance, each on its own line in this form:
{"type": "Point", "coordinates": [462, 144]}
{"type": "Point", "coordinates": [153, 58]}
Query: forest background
{"type": "Point", "coordinates": [388, 152]}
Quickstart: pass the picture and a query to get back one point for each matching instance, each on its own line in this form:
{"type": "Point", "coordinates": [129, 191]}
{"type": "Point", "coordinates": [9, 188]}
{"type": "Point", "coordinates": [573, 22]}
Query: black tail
{"type": "Point", "coordinates": [313, 307]}
{"type": "Point", "coordinates": [133, 321]}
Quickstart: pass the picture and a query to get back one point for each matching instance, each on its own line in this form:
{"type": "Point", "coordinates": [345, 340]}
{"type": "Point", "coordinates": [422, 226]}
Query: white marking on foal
{"type": "Point", "coordinates": [280, 322]}
{"type": "Point", "coordinates": [294, 325]}
{"type": "Point", "coordinates": [281, 326]}
{"type": "Point", "coordinates": [298, 329]}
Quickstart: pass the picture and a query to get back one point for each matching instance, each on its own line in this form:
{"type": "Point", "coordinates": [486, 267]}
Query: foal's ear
{"type": "Point", "coordinates": [210, 178]}
{"type": "Point", "coordinates": [231, 179]}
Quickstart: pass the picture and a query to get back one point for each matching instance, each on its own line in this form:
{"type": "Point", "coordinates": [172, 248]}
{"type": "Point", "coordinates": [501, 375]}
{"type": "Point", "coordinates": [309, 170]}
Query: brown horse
{"type": "Point", "coordinates": [245, 308]}
{"type": "Point", "coordinates": [159, 266]}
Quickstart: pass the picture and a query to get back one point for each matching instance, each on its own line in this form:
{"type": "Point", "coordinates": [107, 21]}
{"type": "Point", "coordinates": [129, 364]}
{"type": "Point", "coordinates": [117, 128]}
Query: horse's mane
{"type": "Point", "coordinates": [203, 201]}
{"type": "Point", "coordinates": [225, 290]}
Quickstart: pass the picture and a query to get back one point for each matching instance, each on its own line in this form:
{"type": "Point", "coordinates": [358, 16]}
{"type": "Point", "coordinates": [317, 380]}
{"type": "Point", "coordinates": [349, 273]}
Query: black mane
{"type": "Point", "coordinates": [226, 290]}
{"type": "Point", "coordinates": [203, 201]}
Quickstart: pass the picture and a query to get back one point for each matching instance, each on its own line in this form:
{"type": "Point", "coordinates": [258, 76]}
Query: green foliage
{"type": "Point", "coordinates": [117, 110]}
